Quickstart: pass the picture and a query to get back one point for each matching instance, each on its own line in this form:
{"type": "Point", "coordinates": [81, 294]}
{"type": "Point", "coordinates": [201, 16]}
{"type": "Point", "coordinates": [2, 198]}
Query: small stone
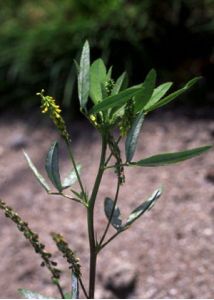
{"type": "Point", "coordinates": [208, 232]}
{"type": "Point", "coordinates": [121, 279]}
{"type": "Point", "coordinates": [18, 141]}
{"type": "Point", "coordinates": [173, 292]}
{"type": "Point", "coordinates": [210, 175]}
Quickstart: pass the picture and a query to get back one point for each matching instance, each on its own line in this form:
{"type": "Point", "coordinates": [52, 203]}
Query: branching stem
{"type": "Point", "coordinates": [111, 154]}
{"type": "Point", "coordinates": [60, 290]}
{"type": "Point", "coordinates": [83, 288]}
{"type": "Point", "coordinates": [75, 167]}
{"type": "Point", "coordinates": [110, 239]}
{"type": "Point", "coordinates": [112, 213]}
{"type": "Point", "coordinates": [90, 217]}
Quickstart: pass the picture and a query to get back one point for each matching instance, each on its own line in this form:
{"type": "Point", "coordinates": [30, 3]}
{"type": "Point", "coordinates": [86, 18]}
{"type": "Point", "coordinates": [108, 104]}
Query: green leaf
{"type": "Point", "coordinates": [67, 296]}
{"type": "Point", "coordinates": [132, 137]}
{"type": "Point", "coordinates": [174, 95]}
{"type": "Point", "coordinates": [116, 100]}
{"type": "Point", "coordinates": [118, 84]}
{"type": "Point", "coordinates": [146, 92]}
{"type": "Point", "coordinates": [109, 73]}
{"type": "Point", "coordinates": [52, 166]}
{"type": "Point", "coordinates": [84, 76]}
{"type": "Point", "coordinates": [116, 222]}
{"type": "Point", "coordinates": [147, 205]}
{"type": "Point", "coordinates": [71, 178]}
{"type": "Point", "coordinates": [77, 67]}
{"type": "Point", "coordinates": [27, 294]}
{"type": "Point", "coordinates": [75, 286]}
{"type": "Point", "coordinates": [97, 76]}
{"type": "Point", "coordinates": [158, 93]}
{"type": "Point", "coordinates": [170, 158]}
{"type": "Point", "coordinates": [39, 177]}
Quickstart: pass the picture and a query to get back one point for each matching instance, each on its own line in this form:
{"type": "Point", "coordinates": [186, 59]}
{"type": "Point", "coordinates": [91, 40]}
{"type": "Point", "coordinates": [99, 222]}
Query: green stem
{"type": "Point", "coordinates": [121, 165]}
{"type": "Point", "coordinates": [75, 167]}
{"type": "Point", "coordinates": [111, 154]}
{"type": "Point", "coordinates": [110, 239]}
{"type": "Point", "coordinates": [90, 215]}
{"type": "Point", "coordinates": [60, 291]}
{"type": "Point", "coordinates": [64, 195]}
{"type": "Point", "coordinates": [83, 288]}
{"type": "Point", "coordinates": [112, 213]}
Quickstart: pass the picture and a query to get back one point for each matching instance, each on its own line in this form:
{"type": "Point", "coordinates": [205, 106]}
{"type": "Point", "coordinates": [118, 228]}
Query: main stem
{"type": "Point", "coordinates": [90, 215]}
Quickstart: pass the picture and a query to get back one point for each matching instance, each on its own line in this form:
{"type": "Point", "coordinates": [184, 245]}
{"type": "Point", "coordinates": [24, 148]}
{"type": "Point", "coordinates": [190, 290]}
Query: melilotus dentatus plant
{"type": "Point", "coordinates": [117, 112]}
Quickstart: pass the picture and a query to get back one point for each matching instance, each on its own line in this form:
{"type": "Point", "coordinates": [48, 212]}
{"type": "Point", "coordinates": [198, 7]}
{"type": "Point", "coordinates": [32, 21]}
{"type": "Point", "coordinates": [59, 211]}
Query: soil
{"type": "Point", "coordinates": [168, 253]}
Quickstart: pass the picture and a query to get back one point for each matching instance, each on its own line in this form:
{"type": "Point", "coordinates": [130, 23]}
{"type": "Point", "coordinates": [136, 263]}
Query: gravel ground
{"type": "Point", "coordinates": [168, 253]}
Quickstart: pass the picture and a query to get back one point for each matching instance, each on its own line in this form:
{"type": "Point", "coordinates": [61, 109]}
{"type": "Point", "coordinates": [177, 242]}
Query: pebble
{"type": "Point", "coordinates": [173, 292]}
{"type": "Point", "coordinates": [121, 279]}
{"type": "Point", "coordinates": [208, 232]}
{"type": "Point", "coordinates": [210, 175]}
{"type": "Point", "coordinates": [18, 141]}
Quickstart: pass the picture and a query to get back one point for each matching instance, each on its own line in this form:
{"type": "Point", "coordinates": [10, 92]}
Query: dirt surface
{"type": "Point", "coordinates": [168, 253]}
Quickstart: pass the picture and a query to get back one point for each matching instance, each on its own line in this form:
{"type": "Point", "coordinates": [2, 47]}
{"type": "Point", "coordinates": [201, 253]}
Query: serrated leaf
{"type": "Point", "coordinates": [52, 166]}
{"type": "Point", "coordinates": [71, 178]}
{"type": "Point", "coordinates": [75, 287]}
{"type": "Point", "coordinates": [97, 77]}
{"type": "Point", "coordinates": [84, 76]}
{"type": "Point", "coordinates": [158, 93]}
{"type": "Point", "coordinates": [116, 100]}
{"type": "Point", "coordinates": [118, 84]}
{"type": "Point", "coordinates": [38, 176]}
{"type": "Point", "coordinates": [147, 205]}
{"type": "Point", "coordinates": [170, 158]}
{"type": "Point", "coordinates": [116, 222]}
{"type": "Point", "coordinates": [174, 95]}
{"type": "Point", "coordinates": [146, 92]}
{"type": "Point", "coordinates": [27, 294]}
{"type": "Point", "coordinates": [132, 137]}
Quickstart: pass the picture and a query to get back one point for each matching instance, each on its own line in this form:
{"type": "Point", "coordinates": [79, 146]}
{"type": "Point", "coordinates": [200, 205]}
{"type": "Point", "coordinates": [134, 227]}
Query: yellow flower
{"type": "Point", "coordinates": [49, 106]}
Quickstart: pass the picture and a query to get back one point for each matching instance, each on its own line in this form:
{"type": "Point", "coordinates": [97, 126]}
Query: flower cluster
{"type": "Point", "coordinates": [49, 106]}
{"type": "Point", "coordinates": [72, 260]}
{"type": "Point", "coordinates": [127, 120]}
{"type": "Point", "coordinates": [115, 150]}
{"type": "Point", "coordinates": [33, 238]}
{"type": "Point", "coordinates": [109, 85]}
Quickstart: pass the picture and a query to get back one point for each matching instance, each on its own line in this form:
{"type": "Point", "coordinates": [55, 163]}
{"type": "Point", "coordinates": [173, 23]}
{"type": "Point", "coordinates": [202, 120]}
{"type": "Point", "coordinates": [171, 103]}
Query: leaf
{"type": "Point", "coordinates": [27, 294]}
{"type": "Point", "coordinates": [109, 73]}
{"type": "Point", "coordinates": [174, 95]}
{"type": "Point", "coordinates": [116, 222]}
{"type": "Point", "coordinates": [52, 166]}
{"type": "Point", "coordinates": [77, 66]}
{"type": "Point", "coordinates": [116, 100]}
{"type": "Point", "coordinates": [118, 84]}
{"type": "Point", "coordinates": [67, 296]}
{"type": "Point", "coordinates": [71, 178]}
{"type": "Point", "coordinates": [97, 76]}
{"type": "Point", "coordinates": [84, 76]}
{"type": "Point", "coordinates": [147, 205]}
{"type": "Point", "coordinates": [170, 158]}
{"type": "Point", "coordinates": [132, 137]}
{"type": "Point", "coordinates": [39, 177]}
{"type": "Point", "coordinates": [146, 92]}
{"type": "Point", "coordinates": [158, 93]}
{"type": "Point", "coordinates": [75, 287]}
